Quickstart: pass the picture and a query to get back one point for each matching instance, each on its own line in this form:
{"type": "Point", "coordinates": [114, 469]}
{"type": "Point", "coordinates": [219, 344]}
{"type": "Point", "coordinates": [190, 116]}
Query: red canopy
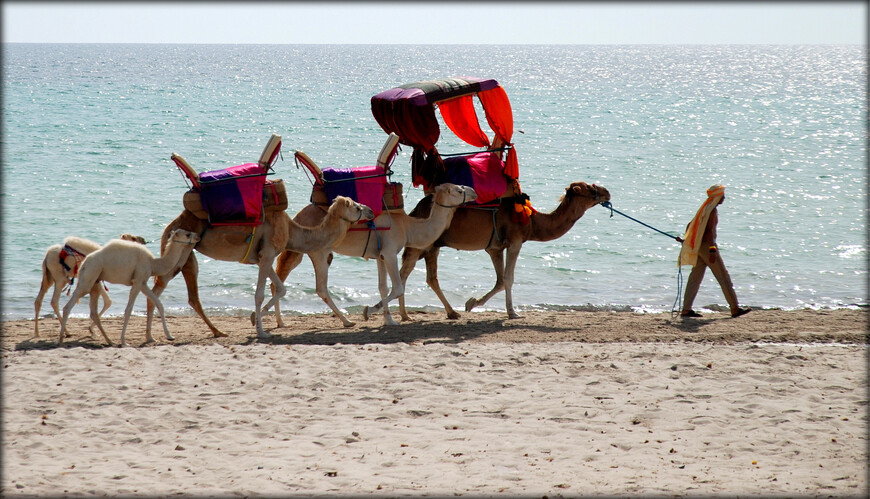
{"type": "Point", "coordinates": [409, 112]}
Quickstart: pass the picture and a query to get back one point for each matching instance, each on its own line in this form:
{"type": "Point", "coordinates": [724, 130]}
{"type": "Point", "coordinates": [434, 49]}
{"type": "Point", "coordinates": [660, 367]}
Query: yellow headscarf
{"type": "Point", "coordinates": [695, 231]}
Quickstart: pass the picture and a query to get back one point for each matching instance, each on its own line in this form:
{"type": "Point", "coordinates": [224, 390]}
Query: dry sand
{"type": "Point", "coordinates": [565, 403]}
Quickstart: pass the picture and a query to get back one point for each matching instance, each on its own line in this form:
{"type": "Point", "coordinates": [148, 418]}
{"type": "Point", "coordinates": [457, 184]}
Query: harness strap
{"type": "Point", "coordinates": [78, 255]}
{"type": "Point", "coordinates": [494, 210]}
{"type": "Point", "coordinates": [63, 255]}
{"type": "Point", "coordinates": [250, 240]}
{"type": "Point", "coordinates": [372, 229]}
{"type": "Point", "coordinates": [494, 229]}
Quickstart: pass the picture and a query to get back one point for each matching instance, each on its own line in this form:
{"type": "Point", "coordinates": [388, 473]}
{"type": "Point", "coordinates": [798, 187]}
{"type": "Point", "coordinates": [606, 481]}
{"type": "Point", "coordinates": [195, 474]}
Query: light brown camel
{"type": "Point", "coordinates": [277, 233]}
{"type": "Point", "coordinates": [476, 229]}
{"type": "Point", "coordinates": [398, 230]}
{"type": "Point", "coordinates": [55, 274]}
{"type": "Point", "coordinates": [130, 264]}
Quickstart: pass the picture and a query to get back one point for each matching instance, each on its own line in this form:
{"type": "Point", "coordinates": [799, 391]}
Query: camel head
{"type": "Point", "coordinates": [131, 237]}
{"type": "Point", "coordinates": [595, 194]}
{"type": "Point", "coordinates": [182, 236]}
{"type": "Point", "coordinates": [451, 195]}
{"type": "Point", "coordinates": [349, 210]}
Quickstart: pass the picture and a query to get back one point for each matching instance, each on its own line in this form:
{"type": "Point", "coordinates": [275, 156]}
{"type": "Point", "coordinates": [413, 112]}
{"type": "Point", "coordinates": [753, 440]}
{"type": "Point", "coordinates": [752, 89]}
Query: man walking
{"type": "Point", "coordinates": [700, 250]}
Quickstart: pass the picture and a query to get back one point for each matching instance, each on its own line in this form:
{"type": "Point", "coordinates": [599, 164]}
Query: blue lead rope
{"type": "Point", "coordinates": [609, 206]}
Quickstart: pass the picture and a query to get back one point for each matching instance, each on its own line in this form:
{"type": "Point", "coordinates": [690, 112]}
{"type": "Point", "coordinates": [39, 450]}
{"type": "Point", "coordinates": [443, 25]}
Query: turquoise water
{"type": "Point", "coordinates": [88, 131]}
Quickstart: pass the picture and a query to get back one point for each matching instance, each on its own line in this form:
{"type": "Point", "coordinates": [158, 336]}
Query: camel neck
{"type": "Point", "coordinates": [553, 225]}
{"type": "Point", "coordinates": [424, 232]}
{"type": "Point", "coordinates": [306, 239]}
{"type": "Point", "coordinates": [174, 252]}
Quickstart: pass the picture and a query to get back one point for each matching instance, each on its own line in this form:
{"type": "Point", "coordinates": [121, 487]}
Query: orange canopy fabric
{"type": "Point", "coordinates": [460, 117]}
{"type": "Point", "coordinates": [500, 117]}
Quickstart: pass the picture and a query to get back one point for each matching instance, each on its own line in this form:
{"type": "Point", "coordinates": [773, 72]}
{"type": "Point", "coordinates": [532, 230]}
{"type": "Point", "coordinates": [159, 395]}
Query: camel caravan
{"type": "Point", "coordinates": [472, 201]}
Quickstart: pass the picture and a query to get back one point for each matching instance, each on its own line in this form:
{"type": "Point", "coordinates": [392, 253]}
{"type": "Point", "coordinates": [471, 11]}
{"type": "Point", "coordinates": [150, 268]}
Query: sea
{"type": "Point", "coordinates": [88, 130]}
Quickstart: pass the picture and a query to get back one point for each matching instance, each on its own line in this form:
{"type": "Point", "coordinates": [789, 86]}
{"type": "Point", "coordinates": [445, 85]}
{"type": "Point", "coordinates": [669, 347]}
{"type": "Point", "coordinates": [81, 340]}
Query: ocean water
{"type": "Point", "coordinates": [88, 131]}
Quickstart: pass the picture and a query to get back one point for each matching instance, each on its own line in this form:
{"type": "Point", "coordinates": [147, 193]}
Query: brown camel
{"type": "Point", "coordinates": [400, 230]}
{"type": "Point", "coordinates": [255, 245]}
{"type": "Point", "coordinates": [475, 229]}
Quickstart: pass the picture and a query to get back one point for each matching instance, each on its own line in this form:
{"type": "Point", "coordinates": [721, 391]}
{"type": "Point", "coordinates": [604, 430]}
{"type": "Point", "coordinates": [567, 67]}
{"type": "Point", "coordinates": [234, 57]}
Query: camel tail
{"type": "Point", "coordinates": [46, 276]}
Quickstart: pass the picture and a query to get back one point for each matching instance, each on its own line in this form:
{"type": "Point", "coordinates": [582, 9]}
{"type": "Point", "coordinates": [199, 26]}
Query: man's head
{"type": "Point", "coordinates": [717, 190]}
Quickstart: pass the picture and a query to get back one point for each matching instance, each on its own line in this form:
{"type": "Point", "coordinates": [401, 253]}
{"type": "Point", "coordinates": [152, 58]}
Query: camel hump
{"type": "Point", "coordinates": [270, 152]}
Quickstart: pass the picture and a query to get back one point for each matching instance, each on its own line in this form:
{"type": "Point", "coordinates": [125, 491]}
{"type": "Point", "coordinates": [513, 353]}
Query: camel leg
{"type": "Point", "coordinates": [189, 270]}
{"type": "Point", "coordinates": [497, 257]}
{"type": "Point", "coordinates": [382, 290]}
{"type": "Point", "coordinates": [265, 270]}
{"type": "Point", "coordinates": [320, 260]}
{"type": "Point", "coordinates": [37, 304]}
{"type": "Point", "coordinates": [409, 261]}
{"type": "Point", "coordinates": [107, 302]}
{"type": "Point", "coordinates": [79, 291]}
{"type": "Point", "coordinates": [95, 317]}
{"type": "Point", "coordinates": [385, 265]}
{"type": "Point", "coordinates": [287, 261]}
{"type": "Point", "coordinates": [134, 290]}
{"type": "Point", "coordinates": [76, 296]}
{"type": "Point", "coordinates": [157, 303]}
{"type": "Point", "coordinates": [278, 291]}
{"type": "Point", "coordinates": [432, 280]}
{"type": "Point", "coordinates": [390, 262]}
{"type": "Point", "coordinates": [513, 252]}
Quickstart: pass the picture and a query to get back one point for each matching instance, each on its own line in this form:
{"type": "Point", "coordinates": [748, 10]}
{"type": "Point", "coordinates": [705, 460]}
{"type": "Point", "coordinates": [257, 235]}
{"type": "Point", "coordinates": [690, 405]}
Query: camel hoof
{"type": "Point", "coordinates": [349, 324]}
{"type": "Point", "coordinates": [218, 334]}
{"type": "Point", "coordinates": [264, 335]}
{"type": "Point", "coordinates": [514, 315]}
{"type": "Point", "coordinates": [471, 303]}
{"type": "Point", "coordinates": [453, 315]}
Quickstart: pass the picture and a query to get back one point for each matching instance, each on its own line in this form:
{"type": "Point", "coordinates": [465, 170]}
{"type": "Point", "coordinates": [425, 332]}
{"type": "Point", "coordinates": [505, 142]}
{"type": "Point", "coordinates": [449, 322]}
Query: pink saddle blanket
{"type": "Point", "coordinates": [484, 172]}
{"type": "Point", "coordinates": [364, 184]}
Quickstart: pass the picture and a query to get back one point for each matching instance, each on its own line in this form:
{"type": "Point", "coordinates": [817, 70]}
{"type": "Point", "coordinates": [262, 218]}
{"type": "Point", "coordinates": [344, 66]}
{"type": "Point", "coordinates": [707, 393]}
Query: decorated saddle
{"type": "Point", "coordinates": [367, 185]}
{"type": "Point", "coordinates": [237, 195]}
{"type": "Point", "coordinates": [233, 195]}
{"type": "Point", "coordinates": [484, 172]}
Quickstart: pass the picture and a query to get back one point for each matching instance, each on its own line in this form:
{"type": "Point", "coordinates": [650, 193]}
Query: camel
{"type": "Point", "coordinates": [230, 243]}
{"type": "Point", "coordinates": [476, 229]}
{"type": "Point", "coordinates": [401, 231]}
{"type": "Point", "coordinates": [130, 264]}
{"type": "Point", "coordinates": [59, 274]}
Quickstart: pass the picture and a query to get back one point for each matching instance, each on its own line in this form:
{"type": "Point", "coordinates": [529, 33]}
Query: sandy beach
{"type": "Point", "coordinates": [558, 403]}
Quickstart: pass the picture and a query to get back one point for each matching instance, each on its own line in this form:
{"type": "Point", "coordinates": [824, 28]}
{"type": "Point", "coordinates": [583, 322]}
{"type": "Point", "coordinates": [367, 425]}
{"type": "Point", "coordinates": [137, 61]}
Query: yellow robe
{"type": "Point", "coordinates": [695, 230]}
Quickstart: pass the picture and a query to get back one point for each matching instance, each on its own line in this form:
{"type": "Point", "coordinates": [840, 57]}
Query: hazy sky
{"type": "Point", "coordinates": [437, 22]}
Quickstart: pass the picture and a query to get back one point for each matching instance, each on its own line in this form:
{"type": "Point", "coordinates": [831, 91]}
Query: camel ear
{"type": "Point", "coordinates": [577, 189]}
